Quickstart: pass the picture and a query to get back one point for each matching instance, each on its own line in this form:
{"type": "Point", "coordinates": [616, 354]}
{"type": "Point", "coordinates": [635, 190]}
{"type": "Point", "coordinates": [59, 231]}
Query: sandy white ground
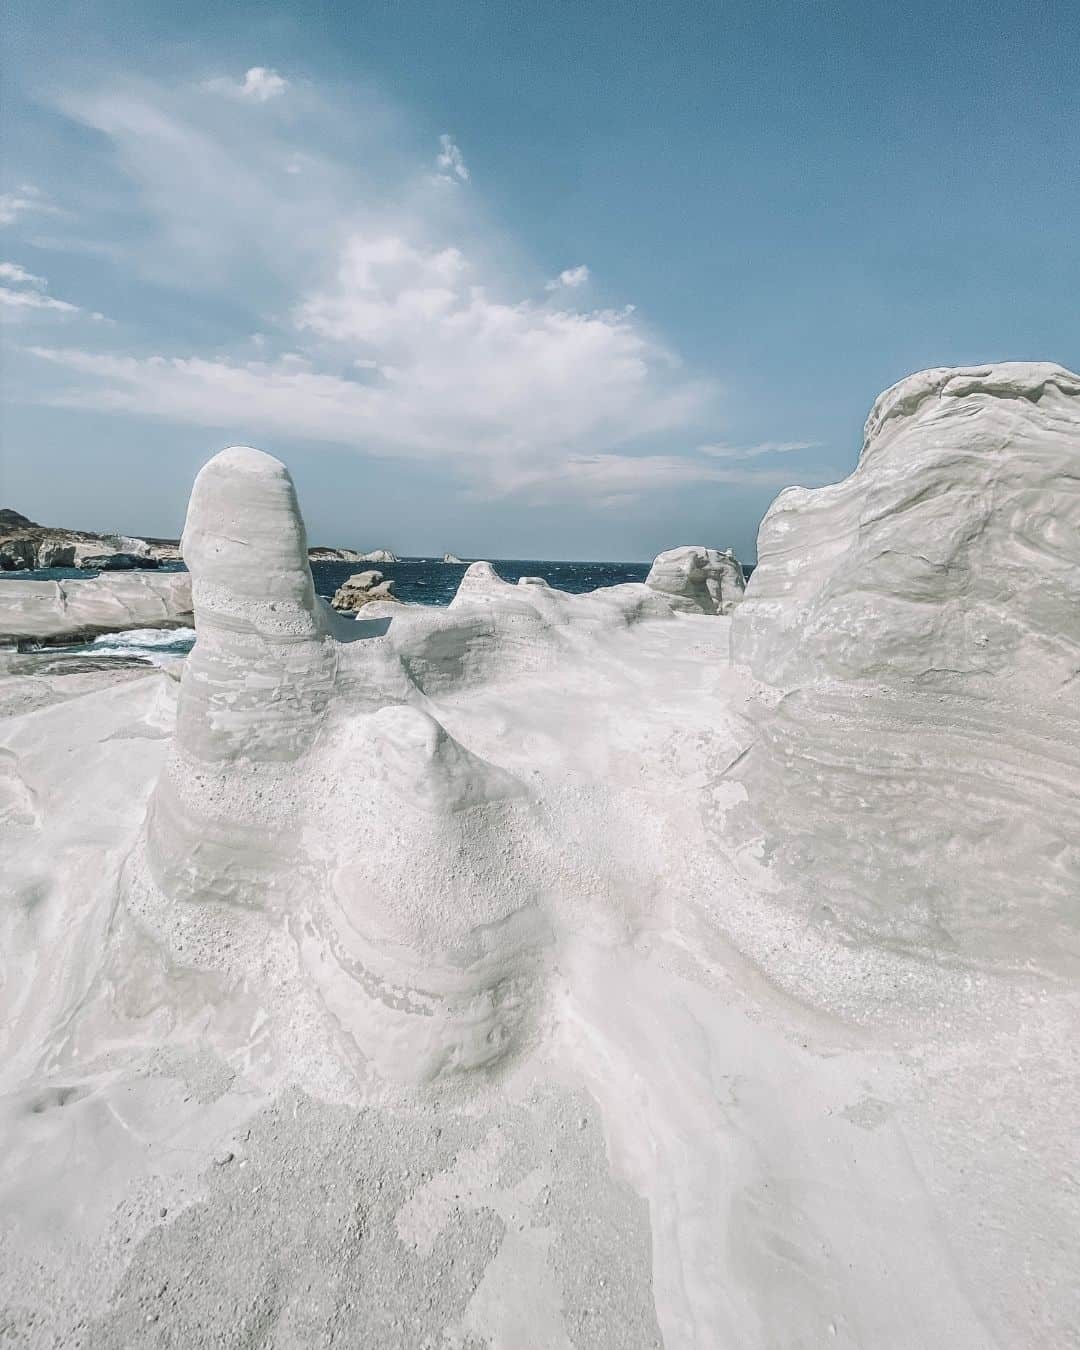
{"type": "Point", "coordinates": [524, 975]}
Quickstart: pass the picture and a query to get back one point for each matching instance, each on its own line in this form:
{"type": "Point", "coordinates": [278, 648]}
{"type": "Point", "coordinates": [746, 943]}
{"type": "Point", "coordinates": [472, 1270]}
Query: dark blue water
{"type": "Point", "coordinates": [422, 580]}
{"type": "Point", "coordinates": [425, 582]}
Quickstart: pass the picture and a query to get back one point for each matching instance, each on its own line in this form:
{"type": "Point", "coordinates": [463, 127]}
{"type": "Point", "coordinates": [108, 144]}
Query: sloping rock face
{"type": "Point", "coordinates": [423, 930]}
{"type": "Point", "coordinates": [953, 550]}
{"type": "Point", "coordinates": [698, 580]}
{"type": "Point", "coordinates": [25, 544]}
{"type": "Point", "coordinates": [919, 778]}
{"type": "Point", "coordinates": [72, 611]}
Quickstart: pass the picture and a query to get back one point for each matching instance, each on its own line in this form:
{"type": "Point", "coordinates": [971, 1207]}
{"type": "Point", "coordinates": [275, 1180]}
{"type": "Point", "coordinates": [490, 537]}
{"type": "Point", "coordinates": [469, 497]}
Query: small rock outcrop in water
{"type": "Point", "coordinates": [334, 555]}
{"type": "Point", "coordinates": [452, 558]}
{"type": "Point", "coordinates": [114, 562]}
{"type": "Point", "coordinates": [362, 589]}
{"type": "Point", "coordinates": [698, 580]}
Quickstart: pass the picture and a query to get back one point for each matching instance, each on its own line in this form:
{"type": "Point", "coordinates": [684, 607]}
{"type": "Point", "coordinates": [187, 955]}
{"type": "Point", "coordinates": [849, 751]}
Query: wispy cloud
{"type": "Point", "coordinates": [259, 85]}
{"type": "Point", "coordinates": [619, 479]}
{"type": "Point", "coordinates": [22, 300]}
{"type": "Point", "coordinates": [450, 161]}
{"type": "Point", "coordinates": [722, 451]}
{"type": "Point", "coordinates": [32, 296]}
{"type": "Point", "coordinates": [569, 280]}
{"type": "Point", "coordinates": [392, 320]}
{"type": "Point", "coordinates": [25, 200]}
{"type": "Point", "coordinates": [13, 272]}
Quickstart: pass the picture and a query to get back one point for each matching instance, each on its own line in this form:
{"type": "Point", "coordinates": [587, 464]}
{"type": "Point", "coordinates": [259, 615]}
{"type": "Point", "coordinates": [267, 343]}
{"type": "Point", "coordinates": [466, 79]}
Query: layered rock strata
{"type": "Point", "coordinates": [698, 580]}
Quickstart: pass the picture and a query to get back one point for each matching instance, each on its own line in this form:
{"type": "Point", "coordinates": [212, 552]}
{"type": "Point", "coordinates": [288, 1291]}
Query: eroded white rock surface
{"type": "Point", "coordinates": [920, 780]}
{"type": "Point", "coordinates": [952, 550]}
{"type": "Point", "coordinates": [525, 974]}
{"type": "Point", "coordinates": [698, 580]}
{"type": "Point", "coordinates": [70, 611]}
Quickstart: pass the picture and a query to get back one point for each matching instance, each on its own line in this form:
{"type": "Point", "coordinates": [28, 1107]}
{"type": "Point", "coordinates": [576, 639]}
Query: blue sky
{"type": "Point", "coordinates": [554, 280]}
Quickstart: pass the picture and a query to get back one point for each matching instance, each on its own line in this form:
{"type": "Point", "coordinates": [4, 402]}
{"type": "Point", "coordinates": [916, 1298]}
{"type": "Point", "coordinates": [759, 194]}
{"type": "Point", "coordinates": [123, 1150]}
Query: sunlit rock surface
{"type": "Point", "coordinates": [70, 611]}
{"type": "Point", "coordinates": [952, 553]}
{"type": "Point", "coordinates": [921, 777]}
{"type": "Point", "coordinates": [698, 580]}
{"type": "Point", "coordinates": [361, 589]}
{"type": "Point", "coordinates": [528, 974]}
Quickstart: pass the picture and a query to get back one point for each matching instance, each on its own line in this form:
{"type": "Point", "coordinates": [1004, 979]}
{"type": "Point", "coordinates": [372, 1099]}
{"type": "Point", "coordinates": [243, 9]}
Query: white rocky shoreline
{"type": "Point", "coordinates": [690, 962]}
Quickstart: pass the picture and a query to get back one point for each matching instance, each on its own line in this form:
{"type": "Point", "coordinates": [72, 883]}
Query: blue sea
{"type": "Point", "coordinates": [425, 581]}
{"type": "Point", "coordinates": [428, 581]}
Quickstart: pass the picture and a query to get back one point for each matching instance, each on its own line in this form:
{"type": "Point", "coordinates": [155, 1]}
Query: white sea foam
{"type": "Point", "coordinates": [151, 644]}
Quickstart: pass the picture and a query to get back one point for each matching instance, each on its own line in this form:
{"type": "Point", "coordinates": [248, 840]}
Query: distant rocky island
{"type": "Point", "coordinates": [25, 545]}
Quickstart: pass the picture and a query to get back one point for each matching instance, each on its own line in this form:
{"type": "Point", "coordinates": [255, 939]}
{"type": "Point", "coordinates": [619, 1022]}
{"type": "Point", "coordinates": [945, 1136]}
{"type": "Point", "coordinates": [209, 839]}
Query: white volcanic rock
{"type": "Point", "coordinates": [523, 973]}
{"type": "Point", "coordinates": [429, 912]}
{"type": "Point", "coordinates": [71, 611]}
{"type": "Point", "coordinates": [379, 555]}
{"type": "Point", "coordinates": [921, 780]}
{"type": "Point", "coordinates": [452, 558]}
{"type": "Point", "coordinates": [698, 580]}
{"type": "Point", "coordinates": [138, 548]}
{"type": "Point", "coordinates": [953, 550]}
{"type": "Point", "coordinates": [334, 555]}
{"type": "Point", "coordinates": [254, 689]}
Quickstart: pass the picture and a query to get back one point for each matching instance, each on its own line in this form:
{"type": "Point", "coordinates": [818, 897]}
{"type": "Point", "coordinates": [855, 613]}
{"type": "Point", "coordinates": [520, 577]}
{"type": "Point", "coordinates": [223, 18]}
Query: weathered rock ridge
{"type": "Point", "coordinates": [698, 579]}
{"type": "Point", "coordinates": [952, 551]}
{"type": "Point", "coordinates": [74, 611]}
{"type": "Point", "coordinates": [920, 775]}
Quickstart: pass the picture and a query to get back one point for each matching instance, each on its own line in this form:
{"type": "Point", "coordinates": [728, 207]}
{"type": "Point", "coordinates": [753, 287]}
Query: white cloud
{"type": "Point", "coordinates": [450, 161]}
{"type": "Point", "coordinates": [570, 280]}
{"type": "Point", "coordinates": [25, 302]}
{"type": "Point", "coordinates": [722, 451]}
{"type": "Point", "coordinates": [259, 85]}
{"type": "Point", "coordinates": [404, 313]}
{"type": "Point", "coordinates": [412, 358]}
{"type": "Point", "coordinates": [34, 300]}
{"type": "Point", "coordinates": [23, 201]}
{"type": "Point", "coordinates": [619, 479]}
{"type": "Point", "coordinates": [19, 275]}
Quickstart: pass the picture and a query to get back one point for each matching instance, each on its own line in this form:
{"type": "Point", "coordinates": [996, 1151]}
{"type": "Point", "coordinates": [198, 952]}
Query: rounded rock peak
{"type": "Point", "coordinates": [245, 459]}
{"type": "Point", "coordinates": [1028, 380]}
{"type": "Point", "coordinates": [244, 535]}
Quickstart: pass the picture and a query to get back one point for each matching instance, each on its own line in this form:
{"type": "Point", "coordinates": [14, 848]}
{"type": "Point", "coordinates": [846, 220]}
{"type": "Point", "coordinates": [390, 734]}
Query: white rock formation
{"type": "Point", "coordinates": [379, 555]}
{"type": "Point", "coordinates": [452, 558]}
{"type": "Point", "coordinates": [698, 580]}
{"type": "Point", "coordinates": [923, 617]}
{"type": "Point", "coordinates": [334, 555]}
{"type": "Point", "coordinates": [71, 611]}
{"type": "Point", "coordinates": [952, 550]}
{"type": "Point", "coordinates": [432, 916]}
{"type": "Point", "coordinates": [255, 687]}
{"type": "Point", "coordinates": [138, 548]}
{"type": "Point", "coordinates": [523, 973]}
